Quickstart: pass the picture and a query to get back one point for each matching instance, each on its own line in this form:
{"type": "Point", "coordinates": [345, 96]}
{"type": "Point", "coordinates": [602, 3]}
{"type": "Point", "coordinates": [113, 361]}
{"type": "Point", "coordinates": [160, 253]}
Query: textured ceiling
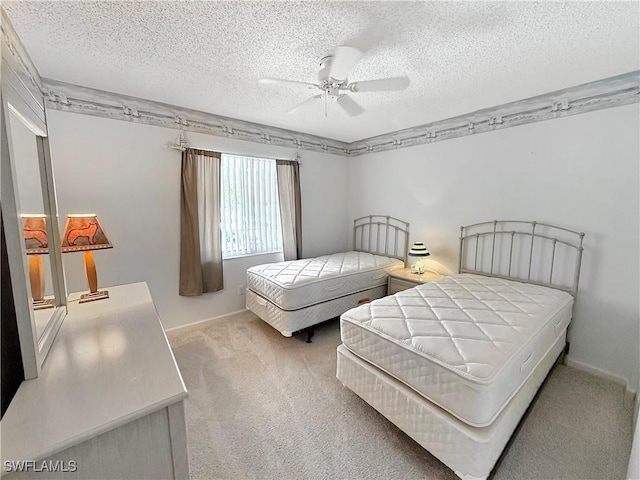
{"type": "Point", "coordinates": [460, 56]}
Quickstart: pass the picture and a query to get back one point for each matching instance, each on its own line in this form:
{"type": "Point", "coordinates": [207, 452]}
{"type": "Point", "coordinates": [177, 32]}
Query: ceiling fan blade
{"type": "Point", "coordinates": [344, 58]}
{"type": "Point", "coordinates": [307, 102]}
{"type": "Point", "coordinates": [349, 105]}
{"type": "Point", "coordinates": [280, 81]}
{"type": "Point", "coordinates": [381, 85]}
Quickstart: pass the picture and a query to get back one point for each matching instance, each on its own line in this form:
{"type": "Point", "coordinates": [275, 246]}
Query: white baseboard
{"type": "Point", "coordinates": [200, 322]}
{"type": "Point", "coordinates": [629, 389]}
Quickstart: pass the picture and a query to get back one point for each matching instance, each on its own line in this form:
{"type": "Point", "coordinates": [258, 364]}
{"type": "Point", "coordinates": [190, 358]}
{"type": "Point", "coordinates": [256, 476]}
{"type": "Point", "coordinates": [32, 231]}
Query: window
{"type": "Point", "coordinates": [250, 213]}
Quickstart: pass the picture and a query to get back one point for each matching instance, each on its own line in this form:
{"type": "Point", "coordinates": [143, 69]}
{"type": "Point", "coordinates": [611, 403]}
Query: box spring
{"type": "Point", "coordinates": [290, 322]}
{"type": "Point", "coordinates": [471, 452]}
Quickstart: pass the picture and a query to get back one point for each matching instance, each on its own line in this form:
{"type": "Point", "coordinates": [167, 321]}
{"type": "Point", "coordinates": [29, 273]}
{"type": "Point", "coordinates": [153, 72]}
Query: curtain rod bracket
{"type": "Point", "coordinates": [181, 143]}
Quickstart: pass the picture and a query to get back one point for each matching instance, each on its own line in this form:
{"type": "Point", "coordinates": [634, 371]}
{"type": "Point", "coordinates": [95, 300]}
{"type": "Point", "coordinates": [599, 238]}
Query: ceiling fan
{"type": "Point", "coordinates": [334, 85]}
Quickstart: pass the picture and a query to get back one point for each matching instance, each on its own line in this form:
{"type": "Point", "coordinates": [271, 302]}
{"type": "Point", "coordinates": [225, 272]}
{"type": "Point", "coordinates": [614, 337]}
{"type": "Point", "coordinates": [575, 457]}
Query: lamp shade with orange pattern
{"type": "Point", "coordinates": [84, 233]}
{"type": "Point", "coordinates": [34, 231]}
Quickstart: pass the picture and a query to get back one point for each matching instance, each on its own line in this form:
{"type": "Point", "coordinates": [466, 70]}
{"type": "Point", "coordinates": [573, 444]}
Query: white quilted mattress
{"type": "Point", "coordinates": [464, 342]}
{"type": "Point", "coordinates": [300, 283]}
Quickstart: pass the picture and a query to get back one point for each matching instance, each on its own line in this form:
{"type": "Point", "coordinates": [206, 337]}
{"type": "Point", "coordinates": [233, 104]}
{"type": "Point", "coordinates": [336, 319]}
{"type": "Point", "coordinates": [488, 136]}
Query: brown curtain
{"type": "Point", "coordinates": [288, 173]}
{"type": "Point", "coordinates": [200, 242]}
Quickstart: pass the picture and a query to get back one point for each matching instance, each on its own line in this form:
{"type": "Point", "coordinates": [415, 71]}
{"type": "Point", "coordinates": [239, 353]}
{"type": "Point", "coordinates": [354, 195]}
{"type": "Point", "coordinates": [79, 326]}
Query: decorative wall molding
{"type": "Point", "coordinates": [607, 93]}
{"type": "Point", "coordinates": [89, 101]}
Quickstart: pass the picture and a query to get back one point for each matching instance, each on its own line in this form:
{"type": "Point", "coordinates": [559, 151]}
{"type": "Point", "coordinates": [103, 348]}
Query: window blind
{"type": "Point", "coordinates": [250, 215]}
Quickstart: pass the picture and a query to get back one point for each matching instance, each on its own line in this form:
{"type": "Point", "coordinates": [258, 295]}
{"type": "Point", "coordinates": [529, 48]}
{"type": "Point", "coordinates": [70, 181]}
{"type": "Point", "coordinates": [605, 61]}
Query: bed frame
{"type": "Point", "coordinates": [375, 234]}
{"type": "Point", "coordinates": [531, 252]}
{"type": "Point", "coordinates": [381, 235]}
{"type": "Point", "coordinates": [528, 237]}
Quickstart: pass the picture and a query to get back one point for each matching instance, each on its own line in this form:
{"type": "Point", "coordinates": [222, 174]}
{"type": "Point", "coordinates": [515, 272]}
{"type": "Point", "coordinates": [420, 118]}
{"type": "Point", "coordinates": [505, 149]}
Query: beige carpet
{"type": "Point", "coordinates": [264, 406]}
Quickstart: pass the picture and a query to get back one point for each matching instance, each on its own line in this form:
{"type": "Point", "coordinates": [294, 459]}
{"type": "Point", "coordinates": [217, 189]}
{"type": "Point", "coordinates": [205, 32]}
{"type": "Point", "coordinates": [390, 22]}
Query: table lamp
{"type": "Point", "coordinates": [34, 231]}
{"type": "Point", "coordinates": [418, 250]}
{"type": "Point", "coordinates": [84, 233]}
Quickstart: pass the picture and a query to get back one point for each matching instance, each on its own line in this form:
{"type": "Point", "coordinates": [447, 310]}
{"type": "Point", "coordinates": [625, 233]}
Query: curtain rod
{"type": "Point", "coordinates": [181, 143]}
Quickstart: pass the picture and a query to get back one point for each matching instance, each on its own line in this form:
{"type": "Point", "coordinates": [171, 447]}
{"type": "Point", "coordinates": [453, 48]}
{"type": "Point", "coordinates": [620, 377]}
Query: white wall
{"type": "Point", "coordinates": [122, 172]}
{"type": "Point", "coordinates": [580, 172]}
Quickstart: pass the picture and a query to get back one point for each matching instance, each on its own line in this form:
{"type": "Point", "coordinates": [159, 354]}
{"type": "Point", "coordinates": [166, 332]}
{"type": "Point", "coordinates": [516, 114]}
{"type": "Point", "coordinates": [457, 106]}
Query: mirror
{"type": "Point", "coordinates": [27, 188]}
{"type": "Point", "coordinates": [30, 168]}
{"type": "Point", "coordinates": [30, 199]}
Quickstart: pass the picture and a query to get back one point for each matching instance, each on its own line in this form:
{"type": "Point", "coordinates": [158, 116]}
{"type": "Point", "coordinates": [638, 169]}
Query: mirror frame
{"type": "Point", "coordinates": [21, 95]}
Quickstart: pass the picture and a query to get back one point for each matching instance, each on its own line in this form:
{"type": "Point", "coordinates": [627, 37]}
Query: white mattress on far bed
{"type": "Point", "coordinates": [297, 284]}
{"type": "Point", "coordinates": [465, 342]}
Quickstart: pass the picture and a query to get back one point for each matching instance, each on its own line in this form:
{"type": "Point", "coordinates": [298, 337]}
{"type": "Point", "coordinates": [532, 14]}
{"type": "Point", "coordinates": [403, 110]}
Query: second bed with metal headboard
{"type": "Point", "coordinates": [491, 247]}
{"type": "Point", "coordinates": [293, 296]}
{"type": "Point", "coordinates": [457, 362]}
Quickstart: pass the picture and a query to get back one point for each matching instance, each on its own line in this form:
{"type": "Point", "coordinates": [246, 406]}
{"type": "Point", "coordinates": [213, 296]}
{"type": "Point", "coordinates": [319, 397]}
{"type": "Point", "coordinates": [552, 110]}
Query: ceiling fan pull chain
{"type": "Point", "coordinates": [326, 95]}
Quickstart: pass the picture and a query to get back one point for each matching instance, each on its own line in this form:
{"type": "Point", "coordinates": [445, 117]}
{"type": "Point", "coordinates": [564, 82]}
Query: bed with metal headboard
{"type": "Point", "coordinates": [523, 251]}
{"type": "Point", "coordinates": [381, 235]}
{"type": "Point", "coordinates": [457, 362]}
{"type": "Point", "coordinates": [293, 296]}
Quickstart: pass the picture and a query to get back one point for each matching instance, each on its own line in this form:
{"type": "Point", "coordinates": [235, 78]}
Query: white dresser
{"type": "Point", "coordinates": [109, 402]}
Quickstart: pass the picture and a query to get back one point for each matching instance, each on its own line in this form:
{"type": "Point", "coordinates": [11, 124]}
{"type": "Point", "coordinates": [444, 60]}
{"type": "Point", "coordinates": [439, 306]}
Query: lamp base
{"type": "Point", "coordinates": [417, 268]}
{"type": "Point", "coordinates": [42, 304]}
{"type": "Point", "coordinates": [91, 297]}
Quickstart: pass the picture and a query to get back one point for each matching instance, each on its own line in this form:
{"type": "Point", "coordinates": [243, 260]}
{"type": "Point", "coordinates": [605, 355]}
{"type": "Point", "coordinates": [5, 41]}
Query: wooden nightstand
{"type": "Point", "coordinates": [403, 279]}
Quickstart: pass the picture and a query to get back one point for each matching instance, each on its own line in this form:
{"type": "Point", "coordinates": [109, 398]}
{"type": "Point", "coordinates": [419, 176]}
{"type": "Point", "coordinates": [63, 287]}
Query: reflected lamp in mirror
{"type": "Point", "coordinates": [84, 233]}
{"type": "Point", "coordinates": [419, 251]}
{"type": "Point", "coordinates": [34, 231]}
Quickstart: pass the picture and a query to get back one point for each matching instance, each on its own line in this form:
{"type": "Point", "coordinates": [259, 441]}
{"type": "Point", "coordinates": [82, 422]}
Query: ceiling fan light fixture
{"type": "Point", "coordinates": [333, 82]}
{"type": "Point", "coordinates": [333, 93]}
